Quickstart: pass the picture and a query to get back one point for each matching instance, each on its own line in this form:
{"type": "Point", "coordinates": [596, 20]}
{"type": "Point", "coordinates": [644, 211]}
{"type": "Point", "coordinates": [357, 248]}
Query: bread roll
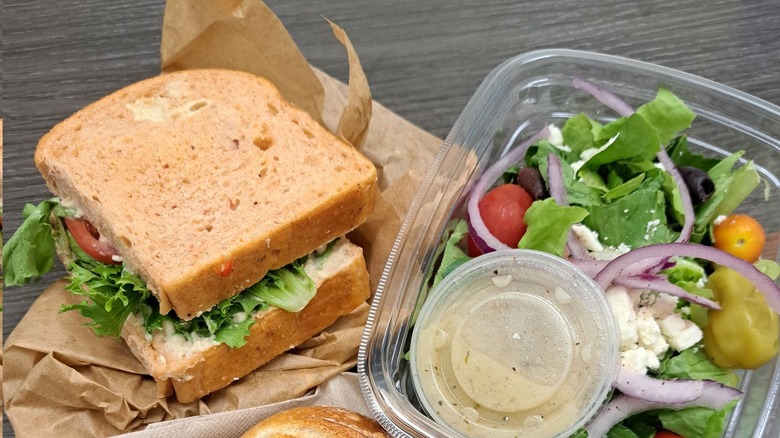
{"type": "Point", "coordinates": [316, 422]}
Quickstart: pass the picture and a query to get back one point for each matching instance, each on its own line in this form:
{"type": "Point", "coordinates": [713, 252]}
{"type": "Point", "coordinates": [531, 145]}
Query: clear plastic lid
{"type": "Point", "coordinates": [514, 342]}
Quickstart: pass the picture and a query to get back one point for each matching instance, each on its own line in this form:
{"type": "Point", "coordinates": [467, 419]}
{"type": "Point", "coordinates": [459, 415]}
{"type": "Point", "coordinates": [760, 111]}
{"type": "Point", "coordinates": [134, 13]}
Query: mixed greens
{"type": "Point", "coordinates": [113, 292]}
{"type": "Point", "coordinates": [634, 183]}
{"type": "Point", "coordinates": [629, 198]}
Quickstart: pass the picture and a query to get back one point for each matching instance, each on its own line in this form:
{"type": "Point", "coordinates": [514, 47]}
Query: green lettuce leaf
{"type": "Point", "coordinates": [614, 179]}
{"type": "Point", "coordinates": [621, 431]}
{"type": "Point", "coordinates": [682, 156]}
{"type": "Point", "coordinates": [577, 193]}
{"type": "Point", "coordinates": [608, 131]}
{"type": "Point", "coordinates": [446, 258]}
{"type": "Point", "coordinates": [689, 275]}
{"type": "Point", "coordinates": [591, 178]}
{"type": "Point", "coordinates": [452, 255]}
{"type": "Point", "coordinates": [685, 270]}
{"type": "Point", "coordinates": [732, 186]}
{"type": "Point", "coordinates": [250, 300]}
{"type": "Point", "coordinates": [234, 334]}
{"type": "Point", "coordinates": [636, 139]}
{"type": "Point", "coordinates": [624, 189]}
{"type": "Point", "coordinates": [643, 425]}
{"type": "Point", "coordinates": [112, 293]}
{"type": "Point", "coordinates": [698, 314]}
{"type": "Point", "coordinates": [510, 174]}
{"type": "Point", "coordinates": [673, 199]}
{"type": "Point", "coordinates": [770, 268]}
{"type": "Point", "coordinates": [549, 225]}
{"type": "Point", "coordinates": [699, 422]}
{"type": "Point", "coordinates": [741, 183]}
{"type": "Point", "coordinates": [694, 364]}
{"type": "Point", "coordinates": [637, 219]}
{"type": "Point", "coordinates": [289, 288]}
{"type": "Point", "coordinates": [29, 253]}
{"type": "Point", "coordinates": [667, 114]}
{"type": "Point", "coordinates": [578, 134]}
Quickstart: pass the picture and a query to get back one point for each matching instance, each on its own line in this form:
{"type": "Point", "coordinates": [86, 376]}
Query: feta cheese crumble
{"type": "Point", "coordinates": [649, 326]}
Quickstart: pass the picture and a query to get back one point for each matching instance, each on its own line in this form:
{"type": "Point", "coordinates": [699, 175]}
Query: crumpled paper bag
{"type": "Point", "coordinates": [60, 379]}
{"type": "Point", "coordinates": [342, 391]}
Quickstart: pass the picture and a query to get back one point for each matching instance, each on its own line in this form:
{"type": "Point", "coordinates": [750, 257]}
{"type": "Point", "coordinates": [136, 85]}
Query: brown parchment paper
{"type": "Point", "coordinates": [60, 379]}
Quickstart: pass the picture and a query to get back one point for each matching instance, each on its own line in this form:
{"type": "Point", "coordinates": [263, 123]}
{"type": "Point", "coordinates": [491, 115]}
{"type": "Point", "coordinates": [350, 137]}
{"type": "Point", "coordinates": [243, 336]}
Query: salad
{"type": "Point", "coordinates": [653, 224]}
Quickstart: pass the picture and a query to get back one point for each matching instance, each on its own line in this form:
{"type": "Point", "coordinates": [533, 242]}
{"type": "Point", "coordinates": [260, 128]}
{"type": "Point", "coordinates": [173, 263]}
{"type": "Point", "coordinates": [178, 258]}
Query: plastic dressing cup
{"type": "Point", "coordinates": [514, 343]}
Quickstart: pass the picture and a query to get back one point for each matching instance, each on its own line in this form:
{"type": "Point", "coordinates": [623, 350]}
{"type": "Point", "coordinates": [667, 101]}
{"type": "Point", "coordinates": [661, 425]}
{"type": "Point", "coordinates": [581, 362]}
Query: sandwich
{"type": "Point", "coordinates": [316, 422]}
{"type": "Point", "coordinates": [201, 217]}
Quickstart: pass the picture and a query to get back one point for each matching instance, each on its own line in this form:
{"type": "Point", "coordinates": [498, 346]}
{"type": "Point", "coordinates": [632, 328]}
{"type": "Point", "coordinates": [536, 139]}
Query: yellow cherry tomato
{"type": "Point", "coordinates": [744, 333]}
{"type": "Point", "coordinates": [741, 236]}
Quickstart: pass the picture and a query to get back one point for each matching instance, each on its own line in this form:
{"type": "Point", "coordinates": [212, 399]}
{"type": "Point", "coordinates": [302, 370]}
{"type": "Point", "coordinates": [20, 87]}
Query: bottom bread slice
{"type": "Point", "coordinates": [193, 370]}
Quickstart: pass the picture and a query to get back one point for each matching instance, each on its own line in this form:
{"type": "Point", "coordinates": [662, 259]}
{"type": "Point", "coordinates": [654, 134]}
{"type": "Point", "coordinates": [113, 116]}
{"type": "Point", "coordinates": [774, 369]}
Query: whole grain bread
{"type": "Point", "coordinates": [316, 422]}
{"type": "Point", "coordinates": [204, 180]}
{"type": "Point", "coordinates": [342, 285]}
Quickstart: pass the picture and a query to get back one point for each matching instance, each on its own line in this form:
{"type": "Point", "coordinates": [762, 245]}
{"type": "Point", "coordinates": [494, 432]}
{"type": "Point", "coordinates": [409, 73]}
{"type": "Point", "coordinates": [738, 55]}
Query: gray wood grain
{"type": "Point", "coordinates": [423, 59]}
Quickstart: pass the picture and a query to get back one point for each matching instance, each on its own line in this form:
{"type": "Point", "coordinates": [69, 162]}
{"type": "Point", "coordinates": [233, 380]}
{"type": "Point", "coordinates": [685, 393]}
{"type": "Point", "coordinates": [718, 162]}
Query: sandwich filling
{"type": "Point", "coordinates": [113, 293]}
{"type": "Point", "coordinates": [172, 343]}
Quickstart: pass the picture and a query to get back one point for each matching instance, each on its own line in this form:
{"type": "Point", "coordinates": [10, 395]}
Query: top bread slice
{"type": "Point", "coordinates": [204, 180]}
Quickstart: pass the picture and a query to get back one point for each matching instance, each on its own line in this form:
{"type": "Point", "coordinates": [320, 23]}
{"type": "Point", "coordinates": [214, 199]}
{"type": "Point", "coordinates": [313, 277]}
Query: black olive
{"type": "Point", "coordinates": [530, 179]}
{"type": "Point", "coordinates": [698, 182]}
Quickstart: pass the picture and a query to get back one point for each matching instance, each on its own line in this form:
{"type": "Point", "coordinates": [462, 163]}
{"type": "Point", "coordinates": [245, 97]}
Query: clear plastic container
{"type": "Point", "coordinates": [514, 342]}
{"type": "Point", "coordinates": [514, 102]}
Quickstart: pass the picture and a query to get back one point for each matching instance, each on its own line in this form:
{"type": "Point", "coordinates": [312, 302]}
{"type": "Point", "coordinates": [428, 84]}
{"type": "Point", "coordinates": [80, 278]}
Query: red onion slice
{"type": "Point", "coordinates": [555, 177]}
{"type": "Point", "coordinates": [607, 98]}
{"type": "Point", "coordinates": [558, 192]}
{"type": "Point", "coordinates": [483, 247]}
{"type": "Point", "coordinates": [655, 390]}
{"type": "Point", "coordinates": [685, 195]}
{"type": "Point", "coordinates": [590, 267]}
{"type": "Point", "coordinates": [481, 235]}
{"type": "Point", "coordinates": [635, 279]}
{"type": "Point", "coordinates": [764, 284]}
{"type": "Point", "coordinates": [714, 396]}
{"type": "Point", "coordinates": [661, 284]}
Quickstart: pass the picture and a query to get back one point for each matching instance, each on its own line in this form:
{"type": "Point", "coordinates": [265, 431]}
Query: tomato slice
{"type": "Point", "coordinates": [87, 236]}
{"type": "Point", "coordinates": [226, 269]}
{"type": "Point", "coordinates": [502, 210]}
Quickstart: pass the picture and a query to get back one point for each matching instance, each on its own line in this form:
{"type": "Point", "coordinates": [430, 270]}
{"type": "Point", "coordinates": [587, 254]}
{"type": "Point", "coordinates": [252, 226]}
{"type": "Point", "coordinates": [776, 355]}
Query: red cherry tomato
{"type": "Point", "coordinates": [666, 434]}
{"type": "Point", "coordinates": [741, 236]}
{"type": "Point", "coordinates": [502, 210]}
{"type": "Point", "coordinates": [85, 234]}
{"type": "Point", "coordinates": [474, 250]}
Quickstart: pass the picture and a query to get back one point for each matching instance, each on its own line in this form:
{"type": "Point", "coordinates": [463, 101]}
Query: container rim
{"type": "Point", "coordinates": [633, 64]}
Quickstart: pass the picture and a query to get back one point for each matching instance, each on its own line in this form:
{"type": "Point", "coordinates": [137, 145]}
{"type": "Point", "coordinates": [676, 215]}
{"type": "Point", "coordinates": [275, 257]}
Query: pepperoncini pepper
{"type": "Point", "coordinates": [744, 333]}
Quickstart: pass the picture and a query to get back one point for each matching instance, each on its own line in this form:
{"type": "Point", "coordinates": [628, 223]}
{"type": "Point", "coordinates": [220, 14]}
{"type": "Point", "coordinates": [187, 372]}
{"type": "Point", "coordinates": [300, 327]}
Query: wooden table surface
{"type": "Point", "coordinates": [423, 59]}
